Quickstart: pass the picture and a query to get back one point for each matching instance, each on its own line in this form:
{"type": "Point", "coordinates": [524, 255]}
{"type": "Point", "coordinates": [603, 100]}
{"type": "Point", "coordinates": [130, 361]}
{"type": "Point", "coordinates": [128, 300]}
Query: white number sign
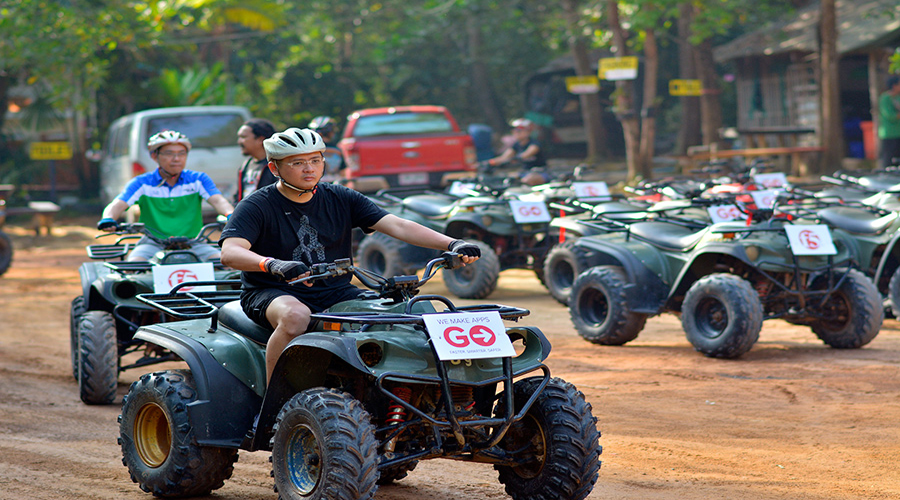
{"type": "Point", "coordinates": [590, 189]}
{"type": "Point", "coordinates": [765, 198]}
{"type": "Point", "coordinates": [810, 239]}
{"type": "Point", "coordinates": [166, 277]}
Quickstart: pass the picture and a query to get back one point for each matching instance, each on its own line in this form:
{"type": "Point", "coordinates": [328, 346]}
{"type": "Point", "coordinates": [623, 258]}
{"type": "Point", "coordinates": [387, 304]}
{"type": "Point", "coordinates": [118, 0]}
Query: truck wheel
{"type": "Point", "coordinates": [380, 253]}
{"type": "Point", "coordinates": [98, 362]}
{"type": "Point", "coordinates": [563, 264]}
{"type": "Point", "coordinates": [722, 316]}
{"type": "Point", "coordinates": [477, 280]}
{"type": "Point", "coordinates": [599, 307]}
{"type": "Point", "coordinates": [158, 443]}
{"type": "Point", "coordinates": [324, 447]}
{"type": "Point", "coordinates": [75, 312]}
{"type": "Point", "coordinates": [6, 252]}
{"type": "Point", "coordinates": [556, 442]}
{"type": "Point", "coordinates": [851, 316]}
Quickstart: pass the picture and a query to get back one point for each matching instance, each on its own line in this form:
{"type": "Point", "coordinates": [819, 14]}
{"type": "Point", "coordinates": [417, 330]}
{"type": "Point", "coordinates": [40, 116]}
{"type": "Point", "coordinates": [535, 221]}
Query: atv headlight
{"type": "Point", "coordinates": [487, 220]}
{"type": "Point", "coordinates": [370, 353]}
{"type": "Point", "coordinates": [752, 252]}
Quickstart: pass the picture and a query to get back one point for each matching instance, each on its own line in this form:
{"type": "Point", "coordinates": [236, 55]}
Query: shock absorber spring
{"type": "Point", "coordinates": [463, 396]}
{"type": "Point", "coordinates": [397, 413]}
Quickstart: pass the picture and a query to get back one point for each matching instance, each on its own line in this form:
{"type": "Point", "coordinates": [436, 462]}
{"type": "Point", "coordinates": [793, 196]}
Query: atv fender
{"type": "Point", "coordinates": [889, 261]}
{"type": "Point", "coordinates": [704, 263]}
{"type": "Point", "coordinates": [645, 290]}
{"type": "Point", "coordinates": [89, 275]}
{"type": "Point", "coordinates": [226, 405]}
{"type": "Point", "coordinates": [317, 354]}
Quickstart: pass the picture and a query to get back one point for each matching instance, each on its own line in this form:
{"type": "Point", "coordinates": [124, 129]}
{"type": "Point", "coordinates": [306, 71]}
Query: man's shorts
{"type": "Point", "coordinates": [256, 300]}
{"type": "Point", "coordinates": [147, 248]}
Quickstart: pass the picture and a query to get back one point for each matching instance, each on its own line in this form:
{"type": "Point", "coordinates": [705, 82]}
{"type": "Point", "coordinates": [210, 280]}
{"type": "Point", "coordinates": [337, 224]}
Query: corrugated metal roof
{"type": "Point", "coordinates": [861, 24]}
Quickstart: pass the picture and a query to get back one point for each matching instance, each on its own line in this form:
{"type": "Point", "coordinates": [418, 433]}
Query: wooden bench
{"type": "Point", "coordinates": [797, 154]}
{"type": "Point", "coordinates": [43, 212]}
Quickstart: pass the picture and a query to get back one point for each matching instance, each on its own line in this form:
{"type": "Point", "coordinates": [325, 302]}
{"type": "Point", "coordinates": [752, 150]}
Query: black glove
{"type": "Point", "coordinates": [463, 248]}
{"type": "Point", "coordinates": [286, 270]}
{"type": "Point", "coordinates": [107, 224]}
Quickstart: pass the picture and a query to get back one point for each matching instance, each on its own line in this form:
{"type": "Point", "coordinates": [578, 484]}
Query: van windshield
{"type": "Point", "coordinates": [204, 130]}
{"type": "Point", "coordinates": [401, 124]}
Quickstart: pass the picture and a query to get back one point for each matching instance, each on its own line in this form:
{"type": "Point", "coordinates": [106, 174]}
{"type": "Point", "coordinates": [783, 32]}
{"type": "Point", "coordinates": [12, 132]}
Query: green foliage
{"type": "Point", "coordinates": [196, 86]}
{"type": "Point", "coordinates": [894, 67]}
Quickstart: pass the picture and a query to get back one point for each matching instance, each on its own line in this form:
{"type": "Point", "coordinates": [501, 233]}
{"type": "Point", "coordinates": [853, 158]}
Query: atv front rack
{"type": "Point", "coordinates": [133, 267]}
{"type": "Point", "coordinates": [408, 317]}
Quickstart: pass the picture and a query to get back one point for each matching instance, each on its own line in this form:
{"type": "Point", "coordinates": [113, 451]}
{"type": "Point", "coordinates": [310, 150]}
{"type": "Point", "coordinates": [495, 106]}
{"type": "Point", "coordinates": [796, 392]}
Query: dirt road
{"type": "Point", "coordinates": [790, 420]}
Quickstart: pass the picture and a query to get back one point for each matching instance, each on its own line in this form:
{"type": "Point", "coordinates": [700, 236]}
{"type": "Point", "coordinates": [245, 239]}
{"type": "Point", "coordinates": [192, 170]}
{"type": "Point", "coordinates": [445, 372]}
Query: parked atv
{"type": "Point", "coordinates": [104, 318]}
{"type": "Point", "coordinates": [358, 400]}
{"type": "Point", "coordinates": [485, 217]}
{"type": "Point", "coordinates": [6, 246]}
{"type": "Point", "coordinates": [724, 280]}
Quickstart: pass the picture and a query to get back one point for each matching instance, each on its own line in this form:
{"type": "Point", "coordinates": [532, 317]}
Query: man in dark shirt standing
{"type": "Point", "coordinates": [276, 234]}
{"type": "Point", "coordinates": [254, 173]}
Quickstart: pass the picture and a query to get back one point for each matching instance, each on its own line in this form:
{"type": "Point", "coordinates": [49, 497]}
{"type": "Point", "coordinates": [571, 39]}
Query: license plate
{"type": "Point", "coordinates": [413, 178]}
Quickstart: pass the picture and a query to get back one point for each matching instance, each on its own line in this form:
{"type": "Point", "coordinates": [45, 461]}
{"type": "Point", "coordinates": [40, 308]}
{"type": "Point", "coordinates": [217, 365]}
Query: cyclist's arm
{"type": "Point", "coordinates": [415, 234]}
{"type": "Point", "coordinates": [236, 254]}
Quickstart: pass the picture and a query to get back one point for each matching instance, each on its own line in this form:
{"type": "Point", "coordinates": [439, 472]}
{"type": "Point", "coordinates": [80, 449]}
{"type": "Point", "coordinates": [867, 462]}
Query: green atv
{"type": "Point", "coordinates": [359, 399]}
{"type": "Point", "coordinates": [724, 280]}
{"type": "Point", "coordinates": [104, 318]}
{"type": "Point", "coordinates": [485, 218]}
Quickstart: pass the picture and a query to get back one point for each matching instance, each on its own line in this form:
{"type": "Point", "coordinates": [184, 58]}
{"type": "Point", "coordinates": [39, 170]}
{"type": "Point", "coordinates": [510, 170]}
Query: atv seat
{"type": "Point", "coordinates": [434, 206]}
{"type": "Point", "coordinates": [856, 220]}
{"type": "Point", "coordinates": [232, 315]}
{"type": "Point", "coordinates": [621, 210]}
{"type": "Point", "coordinates": [664, 234]}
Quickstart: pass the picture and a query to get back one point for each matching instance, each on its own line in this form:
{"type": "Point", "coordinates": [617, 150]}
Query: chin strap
{"type": "Point", "coordinates": [295, 188]}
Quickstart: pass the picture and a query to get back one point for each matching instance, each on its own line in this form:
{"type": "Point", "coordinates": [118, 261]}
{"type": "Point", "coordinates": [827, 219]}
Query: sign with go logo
{"type": "Point", "coordinates": [468, 335]}
{"type": "Point", "coordinates": [166, 277]}
{"type": "Point", "coordinates": [813, 239]}
{"type": "Point", "coordinates": [525, 212]}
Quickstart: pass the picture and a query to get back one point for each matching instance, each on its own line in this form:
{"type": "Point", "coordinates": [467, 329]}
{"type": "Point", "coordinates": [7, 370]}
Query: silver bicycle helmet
{"type": "Point", "coordinates": [293, 141]}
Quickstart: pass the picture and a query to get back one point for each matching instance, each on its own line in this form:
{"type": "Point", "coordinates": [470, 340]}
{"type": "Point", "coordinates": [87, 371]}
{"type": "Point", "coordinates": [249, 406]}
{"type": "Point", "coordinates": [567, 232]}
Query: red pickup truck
{"type": "Point", "coordinates": [404, 146]}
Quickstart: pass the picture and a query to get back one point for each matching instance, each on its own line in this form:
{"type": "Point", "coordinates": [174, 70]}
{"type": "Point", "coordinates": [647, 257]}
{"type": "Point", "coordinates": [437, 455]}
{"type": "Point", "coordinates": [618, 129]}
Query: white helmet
{"type": "Point", "coordinates": [293, 141]}
{"type": "Point", "coordinates": [168, 137]}
{"type": "Point", "coordinates": [521, 123]}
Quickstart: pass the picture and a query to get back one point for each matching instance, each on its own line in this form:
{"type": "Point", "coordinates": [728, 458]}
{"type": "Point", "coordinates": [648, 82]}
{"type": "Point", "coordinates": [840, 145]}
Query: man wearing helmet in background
{"type": "Point", "coordinates": [276, 234]}
{"type": "Point", "coordinates": [526, 151]}
{"type": "Point", "coordinates": [169, 198]}
{"type": "Point", "coordinates": [327, 128]}
{"type": "Point", "coordinates": [255, 173]}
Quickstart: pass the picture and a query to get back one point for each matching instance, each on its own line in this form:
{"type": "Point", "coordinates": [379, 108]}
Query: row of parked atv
{"type": "Point", "coordinates": [725, 249]}
{"type": "Point", "coordinates": [376, 385]}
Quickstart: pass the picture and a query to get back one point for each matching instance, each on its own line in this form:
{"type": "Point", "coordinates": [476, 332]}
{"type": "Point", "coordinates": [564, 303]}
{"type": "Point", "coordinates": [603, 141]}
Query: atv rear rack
{"type": "Point", "coordinates": [194, 305]}
{"type": "Point", "coordinates": [109, 251]}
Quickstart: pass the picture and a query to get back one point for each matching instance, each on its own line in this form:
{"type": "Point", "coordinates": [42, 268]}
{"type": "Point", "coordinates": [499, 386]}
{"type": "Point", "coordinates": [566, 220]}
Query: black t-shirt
{"type": "Point", "coordinates": [538, 159]}
{"type": "Point", "coordinates": [313, 232]}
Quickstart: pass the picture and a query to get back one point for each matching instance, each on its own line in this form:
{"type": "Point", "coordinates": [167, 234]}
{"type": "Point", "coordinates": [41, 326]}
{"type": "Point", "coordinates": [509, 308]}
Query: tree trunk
{"type": "Point", "coordinates": [5, 84]}
{"type": "Point", "coordinates": [648, 113]}
{"type": "Point", "coordinates": [481, 82]}
{"type": "Point", "coordinates": [878, 65]}
{"type": "Point", "coordinates": [710, 106]}
{"type": "Point", "coordinates": [591, 112]}
{"type": "Point", "coordinates": [831, 134]}
{"type": "Point", "coordinates": [624, 104]}
{"type": "Point", "coordinates": [689, 130]}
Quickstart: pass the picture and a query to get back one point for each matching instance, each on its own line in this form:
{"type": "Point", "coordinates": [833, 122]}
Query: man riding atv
{"type": "Point", "coordinates": [169, 198]}
{"type": "Point", "coordinates": [275, 236]}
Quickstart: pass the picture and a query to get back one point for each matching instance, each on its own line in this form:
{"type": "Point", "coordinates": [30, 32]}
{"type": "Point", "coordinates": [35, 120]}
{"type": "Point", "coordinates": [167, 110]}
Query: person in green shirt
{"type": "Point", "coordinates": [889, 122]}
{"type": "Point", "coordinates": [169, 197]}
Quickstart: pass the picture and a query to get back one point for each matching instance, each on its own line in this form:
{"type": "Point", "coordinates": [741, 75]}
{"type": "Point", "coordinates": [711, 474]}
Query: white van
{"type": "Point", "coordinates": [214, 150]}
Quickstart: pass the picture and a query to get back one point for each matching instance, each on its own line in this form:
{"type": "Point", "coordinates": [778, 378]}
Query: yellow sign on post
{"type": "Point", "coordinates": [618, 68]}
{"type": "Point", "coordinates": [582, 84]}
{"type": "Point", "coordinates": [685, 87]}
{"type": "Point", "coordinates": [50, 151]}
